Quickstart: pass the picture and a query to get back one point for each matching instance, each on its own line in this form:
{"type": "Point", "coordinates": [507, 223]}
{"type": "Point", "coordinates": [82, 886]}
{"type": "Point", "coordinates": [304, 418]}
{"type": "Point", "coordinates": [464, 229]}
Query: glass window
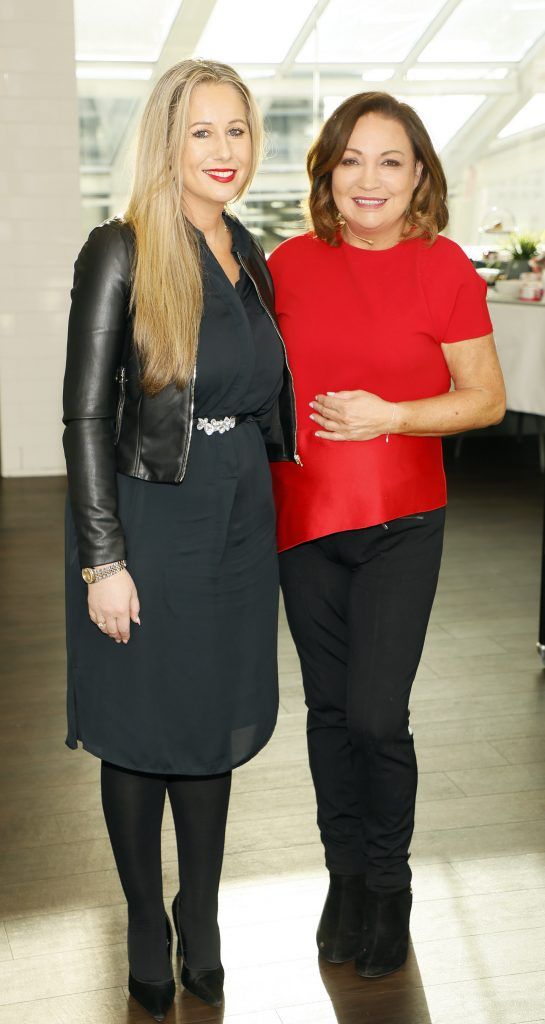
{"type": "Point", "coordinates": [274, 215]}
{"type": "Point", "coordinates": [488, 30]}
{"type": "Point", "coordinates": [102, 124]}
{"type": "Point", "coordinates": [289, 131]}
{"type": "Point", "coordinates": [377, 30]}
{"type": "Point", "coordinates": [443, 116]}
{"type": "Point", "coordinates": [531, 115]}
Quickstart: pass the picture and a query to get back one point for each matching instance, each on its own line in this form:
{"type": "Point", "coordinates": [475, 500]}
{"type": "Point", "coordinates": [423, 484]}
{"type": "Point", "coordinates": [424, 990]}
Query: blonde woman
{"type": "Point", "coordinates": [176, 385]}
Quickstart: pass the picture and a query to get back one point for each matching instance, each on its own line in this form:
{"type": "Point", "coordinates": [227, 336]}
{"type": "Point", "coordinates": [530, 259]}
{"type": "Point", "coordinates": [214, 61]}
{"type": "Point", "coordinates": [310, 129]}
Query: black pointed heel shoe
{"type": "Point", "coordinates": [155, 996]}
{"type": "Point", "coordinates": [340, 928]}
{"type": "Point", "coordinates": [385, 940]}
{"type": "Point", "coordinates": [206, 985]}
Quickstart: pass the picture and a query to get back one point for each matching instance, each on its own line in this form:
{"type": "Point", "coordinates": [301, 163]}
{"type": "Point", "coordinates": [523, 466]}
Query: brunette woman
{"type": "Point", "coordinates": [175, 371]}
{"type": "Point", "coordinates": [379, 314]}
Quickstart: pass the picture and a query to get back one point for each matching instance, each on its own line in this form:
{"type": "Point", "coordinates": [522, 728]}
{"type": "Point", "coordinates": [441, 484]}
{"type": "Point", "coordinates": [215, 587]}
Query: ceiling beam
{"type": "Point", "coordinates": [284, 69]}
{"type": "Point", "coordinates": [435, 24]}
{"type": "Point", "coordinates": [344, 85]}
{"type": "Point", "coordinates": [302, 36]}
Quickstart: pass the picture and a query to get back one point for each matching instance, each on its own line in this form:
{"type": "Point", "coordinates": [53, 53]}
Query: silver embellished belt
{"type": "Point", "coordinates": [213, 426]}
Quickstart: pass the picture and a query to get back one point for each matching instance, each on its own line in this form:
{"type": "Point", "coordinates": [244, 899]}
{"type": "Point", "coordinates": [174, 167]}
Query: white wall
{"type": "Point", "coordinates": [40, 227]}
{"type": "Point", "coordinates": [513, 177]}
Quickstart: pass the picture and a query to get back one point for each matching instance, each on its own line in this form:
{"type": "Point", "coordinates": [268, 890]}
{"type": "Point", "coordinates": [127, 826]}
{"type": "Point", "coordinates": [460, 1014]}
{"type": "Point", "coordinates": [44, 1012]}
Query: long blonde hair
{"type": "Point", "coordinates": [167, 291]}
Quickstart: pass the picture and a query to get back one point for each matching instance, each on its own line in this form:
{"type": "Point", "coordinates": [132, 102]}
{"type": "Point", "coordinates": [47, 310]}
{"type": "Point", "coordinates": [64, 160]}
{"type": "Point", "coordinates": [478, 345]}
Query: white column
{"type": "Point", "coordinates": [40, 232]}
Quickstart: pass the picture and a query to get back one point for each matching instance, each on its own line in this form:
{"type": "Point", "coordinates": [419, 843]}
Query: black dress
{"type": "Point", "coordinates": [195, 690]}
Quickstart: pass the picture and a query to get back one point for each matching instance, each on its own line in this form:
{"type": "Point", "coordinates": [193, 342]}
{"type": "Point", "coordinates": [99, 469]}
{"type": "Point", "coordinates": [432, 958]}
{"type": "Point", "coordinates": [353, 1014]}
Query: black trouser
{"type": "Point", "coordinates": [358, 605]}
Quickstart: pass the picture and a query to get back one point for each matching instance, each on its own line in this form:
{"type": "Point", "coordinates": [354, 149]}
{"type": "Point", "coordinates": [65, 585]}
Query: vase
{"type": "Point", "coordinates": [516, 268]}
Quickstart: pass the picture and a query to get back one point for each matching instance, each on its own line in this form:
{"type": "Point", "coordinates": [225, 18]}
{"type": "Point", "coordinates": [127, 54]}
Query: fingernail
{"type": "Point", "coordinates": [311, 405]}
{"type": "Point", "coordinates": [312, 417]}
{"type": "Point", "coordinates": [138, 621]}
{"type": "Point", "coordinates": [330, 392]}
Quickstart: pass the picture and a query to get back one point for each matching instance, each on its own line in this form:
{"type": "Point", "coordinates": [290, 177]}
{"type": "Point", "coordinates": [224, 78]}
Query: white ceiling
{"type": "Point", "coordinates": [473, 69]}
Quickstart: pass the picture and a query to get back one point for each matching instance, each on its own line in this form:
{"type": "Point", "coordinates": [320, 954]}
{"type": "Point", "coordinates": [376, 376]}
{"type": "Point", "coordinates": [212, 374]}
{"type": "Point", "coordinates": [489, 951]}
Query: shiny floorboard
{"type": "Point", "coordinates": [478, 712]}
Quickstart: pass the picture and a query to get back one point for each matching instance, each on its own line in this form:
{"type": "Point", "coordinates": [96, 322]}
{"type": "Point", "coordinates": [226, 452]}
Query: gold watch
{"type": "Point", "coordinates": [93, 575]}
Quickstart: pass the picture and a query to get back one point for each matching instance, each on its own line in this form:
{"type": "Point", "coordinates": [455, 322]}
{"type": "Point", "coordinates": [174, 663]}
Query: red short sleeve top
{"type": "Point", "coordinates": [357, 319]}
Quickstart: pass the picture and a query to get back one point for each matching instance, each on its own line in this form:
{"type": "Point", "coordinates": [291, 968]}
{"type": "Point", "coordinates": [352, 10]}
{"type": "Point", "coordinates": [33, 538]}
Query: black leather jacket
{"type": "Point", "coordinates": [111, 426]}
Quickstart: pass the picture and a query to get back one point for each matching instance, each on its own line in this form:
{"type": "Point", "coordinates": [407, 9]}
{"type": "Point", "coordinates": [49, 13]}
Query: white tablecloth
{"type": "Point", "coordinates": [519, 329]}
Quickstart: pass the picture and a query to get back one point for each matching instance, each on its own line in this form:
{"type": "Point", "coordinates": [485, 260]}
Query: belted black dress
{"type": "Point", "coordinates": [195, 690]}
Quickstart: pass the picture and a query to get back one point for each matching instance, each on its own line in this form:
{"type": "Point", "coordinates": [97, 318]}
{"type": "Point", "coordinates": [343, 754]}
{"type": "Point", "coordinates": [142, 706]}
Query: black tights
{"type": "Point", "coordinates": [133, 804]}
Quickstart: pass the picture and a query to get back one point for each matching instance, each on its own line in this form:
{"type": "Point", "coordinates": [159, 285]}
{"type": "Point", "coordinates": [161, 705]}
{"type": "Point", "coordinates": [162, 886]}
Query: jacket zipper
{"type": "Point", "coordinates": [190, 432]}
{"type": "Point", "coordinates": [121, 378]}
{"type": "Point", "coordinates": [296, 456]}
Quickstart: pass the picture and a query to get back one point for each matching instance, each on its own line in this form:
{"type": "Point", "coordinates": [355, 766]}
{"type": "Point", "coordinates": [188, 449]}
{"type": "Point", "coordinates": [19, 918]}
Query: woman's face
{"type": "Point", "coordinates": [373, 184]}
{"type": "Point", "coordinates": [217, 155]}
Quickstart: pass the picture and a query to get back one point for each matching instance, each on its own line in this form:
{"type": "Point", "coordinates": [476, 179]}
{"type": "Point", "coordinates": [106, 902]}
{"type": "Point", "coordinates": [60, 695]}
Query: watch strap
{"type": "Point", "coordinates": [103, 573]}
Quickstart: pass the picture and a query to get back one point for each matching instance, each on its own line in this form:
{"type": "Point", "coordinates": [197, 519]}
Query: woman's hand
{"type": "Point", "coordinates": [352, 415]}
{"type": "Point", "coordinates": [478, 399]}
{"type": "Point", "coordinates": [113, 605]}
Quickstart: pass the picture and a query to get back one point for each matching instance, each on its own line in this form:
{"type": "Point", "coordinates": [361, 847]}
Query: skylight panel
{"type": "Point", "coordinates": [122, 30]}
{"type": "Point", "coordinates": [237, 34]}
{"type": "Point", "coordinates": [376, 30]}
{"type": "Point", "coordinates": [444, 116]}
{"type": "Point", "coordinates": [488, 30]}
{"type": "Point", "coordinates": [531, 115]}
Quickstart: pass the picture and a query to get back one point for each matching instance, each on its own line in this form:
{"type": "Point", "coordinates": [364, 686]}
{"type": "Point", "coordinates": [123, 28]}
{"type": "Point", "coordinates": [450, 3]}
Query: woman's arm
{"type": "Point", "coordinates": [478, 399]}
{"type": "Point", "coordinates": [96, 332]}
{"type": "Point", "coordinates": [96, 335]}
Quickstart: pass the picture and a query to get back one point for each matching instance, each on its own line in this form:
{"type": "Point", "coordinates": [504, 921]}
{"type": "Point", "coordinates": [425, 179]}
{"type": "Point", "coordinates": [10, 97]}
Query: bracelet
{"type": "Point", "coordinates": [391, 424]}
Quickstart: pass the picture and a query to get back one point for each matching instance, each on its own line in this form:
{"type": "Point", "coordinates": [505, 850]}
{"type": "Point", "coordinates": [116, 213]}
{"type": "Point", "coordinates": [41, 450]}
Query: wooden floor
{"type": "Point", "coordinates": [478, 712]}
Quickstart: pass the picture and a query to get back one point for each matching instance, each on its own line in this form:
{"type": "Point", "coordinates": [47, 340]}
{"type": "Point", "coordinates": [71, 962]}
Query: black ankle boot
{"type": "Point", "coordinates": [155, 996]}
{"type": "Point", "coordinates": [340, 928]}
{"type": "Point", "coordinates": [205, 984]}
{"type": "Point", "coordinates": [385, 939]}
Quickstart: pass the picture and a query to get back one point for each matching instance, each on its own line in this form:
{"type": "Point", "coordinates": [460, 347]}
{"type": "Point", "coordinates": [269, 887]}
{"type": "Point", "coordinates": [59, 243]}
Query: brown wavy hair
{"type": "Point", "coordinates": [427, 214]}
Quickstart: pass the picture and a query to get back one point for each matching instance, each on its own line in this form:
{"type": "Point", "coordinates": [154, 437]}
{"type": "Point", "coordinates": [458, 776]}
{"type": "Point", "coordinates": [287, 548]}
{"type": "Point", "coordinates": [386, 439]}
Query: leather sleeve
{"type": "Point", "coordinates": [96, 334]}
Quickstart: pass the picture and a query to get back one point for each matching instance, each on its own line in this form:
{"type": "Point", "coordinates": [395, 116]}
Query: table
{"type": "Point", "coordinates": [519, 330]}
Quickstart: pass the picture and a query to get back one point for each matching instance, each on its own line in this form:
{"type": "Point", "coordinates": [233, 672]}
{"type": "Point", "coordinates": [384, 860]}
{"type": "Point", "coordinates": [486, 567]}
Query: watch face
{"type": "Point", "coordinates": [88, 575]}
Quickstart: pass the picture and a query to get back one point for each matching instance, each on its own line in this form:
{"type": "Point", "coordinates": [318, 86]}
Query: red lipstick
{"type": "Point", "coordinates": [224, 174]}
